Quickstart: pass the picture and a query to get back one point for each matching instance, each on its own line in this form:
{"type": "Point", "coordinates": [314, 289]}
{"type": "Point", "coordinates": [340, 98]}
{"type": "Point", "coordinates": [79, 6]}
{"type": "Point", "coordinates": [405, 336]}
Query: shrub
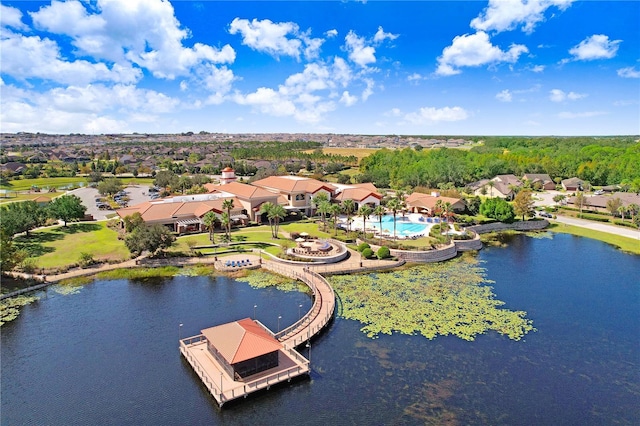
{"type": "Point", "coordinates": [383, 252]}
{"type": "Point", "coordinates": [86, 260]}
{"type": "Point", "coordinates": [367, 253]}
{"type": "Point", "coordinates": [363, 246]}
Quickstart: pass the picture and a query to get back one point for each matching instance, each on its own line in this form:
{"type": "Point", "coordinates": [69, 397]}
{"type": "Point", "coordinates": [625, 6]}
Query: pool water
{"type": "Point", "coordinates": [403, 227]}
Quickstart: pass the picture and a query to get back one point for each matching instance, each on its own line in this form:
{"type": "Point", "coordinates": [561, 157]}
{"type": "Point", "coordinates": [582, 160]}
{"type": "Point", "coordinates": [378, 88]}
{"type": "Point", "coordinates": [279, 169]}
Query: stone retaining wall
{"type": "Point", "coordinates": [529, 225]}
{"type": "Point", "coordinates": [429, 256]}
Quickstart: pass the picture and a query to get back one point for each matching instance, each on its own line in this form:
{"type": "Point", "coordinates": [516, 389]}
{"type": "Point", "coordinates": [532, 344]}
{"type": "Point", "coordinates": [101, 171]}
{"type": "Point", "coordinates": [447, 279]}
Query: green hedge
{"type": "Point", "coordinates": [596, 217]}
{"type": "Point", "coordinates": [626, 223]}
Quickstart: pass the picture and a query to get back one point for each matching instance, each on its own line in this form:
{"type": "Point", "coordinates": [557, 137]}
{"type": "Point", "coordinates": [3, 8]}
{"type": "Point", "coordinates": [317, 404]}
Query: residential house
{"type": "Point", "coordinates": [543, 181]}
{"type": "Point", "coordinates": [572, 184]}
{"type": "Point", "coordinates": [500, 186]}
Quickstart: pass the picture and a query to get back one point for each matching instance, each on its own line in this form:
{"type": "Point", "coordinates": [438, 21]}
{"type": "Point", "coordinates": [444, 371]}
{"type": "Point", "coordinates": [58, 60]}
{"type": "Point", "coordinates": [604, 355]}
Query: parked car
{"type": "Point", "coordinates": [546, 214]}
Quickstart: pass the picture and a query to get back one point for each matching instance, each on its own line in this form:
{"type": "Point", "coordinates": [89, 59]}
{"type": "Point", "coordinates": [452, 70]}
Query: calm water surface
{"type": "Point", "coordinates": [108, 354]}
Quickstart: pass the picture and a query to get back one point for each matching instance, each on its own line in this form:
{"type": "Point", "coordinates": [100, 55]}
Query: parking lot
{"type": "Point", "coordinates": [136, 193]}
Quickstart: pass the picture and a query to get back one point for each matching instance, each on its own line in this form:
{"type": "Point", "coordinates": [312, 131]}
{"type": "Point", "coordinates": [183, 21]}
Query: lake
{"type": "Point", "coordinates": [108, 354]}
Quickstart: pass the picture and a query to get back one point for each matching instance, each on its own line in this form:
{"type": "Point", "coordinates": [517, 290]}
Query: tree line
{"type": "Point", "coordinates": [599, 161]}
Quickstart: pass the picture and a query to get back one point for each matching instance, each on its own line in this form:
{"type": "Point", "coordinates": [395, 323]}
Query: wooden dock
{"type": "Point", "coordinates": [291, 364]}
{"type": "Point", "coordinates": [223, 387]}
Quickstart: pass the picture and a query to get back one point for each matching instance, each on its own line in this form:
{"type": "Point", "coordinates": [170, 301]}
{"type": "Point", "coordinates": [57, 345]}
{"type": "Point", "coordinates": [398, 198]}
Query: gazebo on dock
{"type": "Point", "coordinates": [243, 348]}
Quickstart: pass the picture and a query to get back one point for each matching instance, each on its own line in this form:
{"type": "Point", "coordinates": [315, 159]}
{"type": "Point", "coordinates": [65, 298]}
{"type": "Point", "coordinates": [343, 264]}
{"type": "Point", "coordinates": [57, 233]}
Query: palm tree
{"type": "Point", "coordinates": [491, 185]}
{"type": "Point", "coordinates": [379, 211]}
{"type": "Point", "coordinates": [209, 221]}
{"type": "Point", "coordinates": [228, 206]}
{"type": "Point", "coordinates": [348, 206]}
{"type": "Point", "coordinates": [277, 213]}
{"type": "Point", "coordinates": [622, 210]}
{"type": "Point", "coordinates": [226, 222]}
{"type": "Point", "coordinates": [394, 205]}
{"type": "Point", "coordinates": [266, 208]}
{"type": "Point", "coordinates": [448, 210]}
{"type": "Point", "coordinates": [335, 211]}
{"type": "Point", "coordinates": [364, 211]}
{"type": "Point", "coordinates": [317, 200]}
{"type": "Point", "coordinates": [324, 208]}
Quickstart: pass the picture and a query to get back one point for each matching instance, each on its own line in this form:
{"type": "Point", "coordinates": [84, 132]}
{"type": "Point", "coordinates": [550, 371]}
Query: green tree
{"type": "Point", "coordinates": [497, 208]}
{"type": "Point", "coordinates": [613, 205]}
{"type": "Point", "coordinates": [66, 208]}
{"type": "Point", "coordinates": [379, 212]}
{"type": "Point", "coordinates": [395, 205]}
{"type": "Point", "coordinates": [558, 198]}
{"type": "Point", "coordinates": [348, 207]}
{"type": "Point", "coordinates": [153, 239]}
{"type": "Point", "coordinates": [133, 222]}
{"type": "Point", "coordinates": [324, 208]}
{"type": "Point", "coordinates": [209, 221]}
{"type": "Point", "coordinates": [277, 213]}
{"type": "Point", "coordinates": [228, 206]}
{"type": "Point", "coordinates": [523, 204]}
{"type": "Point", "coordinates": [473, 205]}
{"type": "Point", "coordinates": [225, 220]}
{"type": "Point", "coordinates": [10, 255]}
{"type": "Point", "coordinates": [335, 210]}
{"type": "Point", "coordinates": [579, 200]}
{"type": "Point", "coordinates": [266, 209]}
{"type": "Point", "coordinates": [166, 179]}
{"type": "Point", "coordinates": [21, 216]}
{"type": "Point", "coordinates": [110, 186]}
{"type": "Point", "coordinates": [365, 211]}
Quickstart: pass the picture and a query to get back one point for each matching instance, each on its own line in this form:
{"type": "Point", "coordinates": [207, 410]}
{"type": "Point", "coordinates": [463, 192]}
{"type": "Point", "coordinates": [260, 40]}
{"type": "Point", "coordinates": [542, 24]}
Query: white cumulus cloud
{"type": "Point", "coordinates": [506, 15]}
{"type": "Point", "coordinates": [504, 96]}
{"type": "Point", "coordinates": [11, 17]}
{"type": "Point", "coordinates": [276, 38]}
{"type": "Point", "coordinates": [359, 52]}
{"type": "Point", "coordinates": [142, 32]}
{"type": "Point", "coordinates": [629, 72]}
{"type": "Point", "coordinates": [597, 46]}
{"type": "Point", "coordinates": [432, 115]}
{"type": "Point", "coordinates": [473, 50]}
{"type": "Point", "coordinates": [557, 95]}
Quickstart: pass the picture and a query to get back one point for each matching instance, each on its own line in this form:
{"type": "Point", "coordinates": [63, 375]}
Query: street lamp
{"type": "Point", "coordinates": [221, 375]}
{"type": "Point", "coordinates": [279, 317]}
{"type": "Point", "coordinates": [309, 346]}
{"type": "Point", "coordinates": [254, 311]}
{"type": "Point", "coordinates": [299, 312]}
{"type": "Point", "coordinates": [180, 332]}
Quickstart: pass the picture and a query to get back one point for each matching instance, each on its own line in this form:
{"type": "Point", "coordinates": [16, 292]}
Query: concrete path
{"type": "Point", "coordinates": [598, 226]}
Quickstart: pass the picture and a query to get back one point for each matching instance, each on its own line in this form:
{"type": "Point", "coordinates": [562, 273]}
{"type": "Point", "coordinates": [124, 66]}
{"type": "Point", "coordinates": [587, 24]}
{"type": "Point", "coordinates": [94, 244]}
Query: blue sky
{"type": "Point", "coordinates": [507, 67]}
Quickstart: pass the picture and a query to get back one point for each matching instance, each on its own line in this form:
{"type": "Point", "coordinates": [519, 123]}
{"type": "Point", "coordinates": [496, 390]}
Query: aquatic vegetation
{"type": "Point", "coordinates": [71, 285]}
{"type": "Point", "coordinates": [539, 234]}
{"type": "Point", "coordinates": [450, 298]}
{"type": "Point", "coordinates": [263, 279]}
{"type": "Point", "coordinates": [137, 273]}
{"type": "Point", "coordinates": [10, 307]}
{"type": "Point", "coordinates": [197, 271]}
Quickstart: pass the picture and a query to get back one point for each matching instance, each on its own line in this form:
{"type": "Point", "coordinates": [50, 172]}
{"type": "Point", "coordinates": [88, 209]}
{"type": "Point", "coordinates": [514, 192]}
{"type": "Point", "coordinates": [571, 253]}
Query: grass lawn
{"type": "Point", "coordinates": [58, 247]}
{"type": "Point", "coordinates": [629, 245]}
{"type": "Point", "coordinates": [25, 184]}
{"type": "Point", "coordinates": [359, 153]}
{"type": "Point", "coordinates": [27, 197]}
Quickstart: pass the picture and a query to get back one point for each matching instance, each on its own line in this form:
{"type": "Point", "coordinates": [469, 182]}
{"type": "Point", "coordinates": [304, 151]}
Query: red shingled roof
{"type": "Point", "coordinates": [241, 340]}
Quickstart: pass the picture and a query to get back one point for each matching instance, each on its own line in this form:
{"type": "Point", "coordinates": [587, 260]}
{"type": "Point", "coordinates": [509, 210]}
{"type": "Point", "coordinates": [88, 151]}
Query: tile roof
{"type": "Point", "coordinates": [294, 184]}
{"type": "Point", "coordinates": [241, 340]}
{"type": "Point", "coordinates": [163, 210]}
{"type": "Point", "coordinates": [419, 199]}
{"type": "Point", "coordinates": [241, 190]}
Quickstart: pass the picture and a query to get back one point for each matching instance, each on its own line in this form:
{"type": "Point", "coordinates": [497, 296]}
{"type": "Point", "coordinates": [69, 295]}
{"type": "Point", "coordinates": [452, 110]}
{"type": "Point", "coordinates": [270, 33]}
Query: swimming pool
{"type": "Point", "coordinates": [404, 226]}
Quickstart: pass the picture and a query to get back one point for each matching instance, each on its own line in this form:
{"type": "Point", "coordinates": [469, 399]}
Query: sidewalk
{"type": "Point", "coordinates": [597, 226]}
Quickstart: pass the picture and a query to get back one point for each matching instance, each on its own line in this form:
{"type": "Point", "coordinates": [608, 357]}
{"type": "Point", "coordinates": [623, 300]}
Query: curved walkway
{"type": "Point", "coordinates": [598, 226]}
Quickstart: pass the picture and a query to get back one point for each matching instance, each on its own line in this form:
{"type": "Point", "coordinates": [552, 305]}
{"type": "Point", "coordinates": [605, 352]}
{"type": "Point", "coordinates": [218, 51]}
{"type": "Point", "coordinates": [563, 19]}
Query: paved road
{"type": "Point", "coordinates": [597, 226]}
